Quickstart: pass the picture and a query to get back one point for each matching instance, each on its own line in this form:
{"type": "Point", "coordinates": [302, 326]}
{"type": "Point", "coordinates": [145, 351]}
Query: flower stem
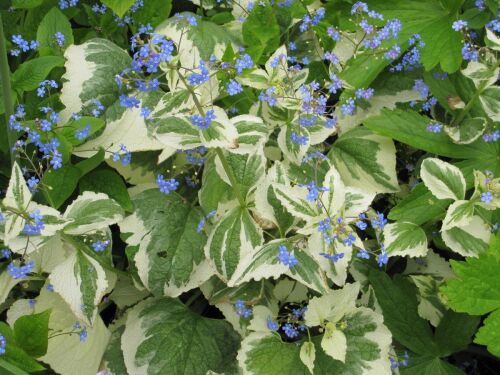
{"type": "Point", "coordinates": [218, 150]}
{"type": "Point", "coordinates": [7, 92]}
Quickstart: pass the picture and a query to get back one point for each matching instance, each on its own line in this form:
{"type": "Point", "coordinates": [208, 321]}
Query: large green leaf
{"type": "Point", "coordinates": [170, 258]}
{"type": "Point", "coordinates": [29, 74]}
{"type": "Point", "coordinates": [53, 22]}
{"type": "Point", "coordinates": [261, 32]}
{"type": "Point", "coordinates": [32, 331]}
{"type": "Point", "coordinates": [445, 181]}
{"type": "Point", "coordinates": [90, 71]}
{"type": "Point", "coordinates": [120, 7]}
{"type": "Point", "coordinates": [60, 184]}
{"type": "Point", "coordinates": [475, 292]}
{"type": "Point", "coordinates": [162, 336]}
{"type": "Point", "coordinates": [153, 12]}
{"type": "Point", "coordinates": [366, 160]}
{"type": "Point", "coordinates": [367, 345]}
{"type": "Point", "coordinates": [233, 238]}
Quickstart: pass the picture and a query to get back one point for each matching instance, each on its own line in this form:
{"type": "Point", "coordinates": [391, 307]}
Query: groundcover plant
{"type": "Point", "coordinates": [271, 187]}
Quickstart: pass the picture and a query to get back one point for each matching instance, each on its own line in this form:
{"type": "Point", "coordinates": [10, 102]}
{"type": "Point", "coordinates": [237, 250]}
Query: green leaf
{"type": "Point", "coordinates": [53, 22]}
{"type": "Point", "coordinates": [88, 165]}
{"type": "Point", "coordinates": [32, 72]}
{"type": "Point", "coordinates": [474, 291]}
{"type": "Point", "coordinates": [398, 300]}
{"type": "Point", "coordinates": [153, 12]}
{"type": "Point", "coordinates": [70, 129]}
{"type": "Point", "coordinates": [113, 359]}
{"type": "Point", "coordinates": [81, 281]}
{"type": "Point", "coordinates": [468, 239]}
{"type": "Point", "coordinates": [261, 32]}
{"type": "Point", "coordinates": [367, 339]}
{"type": "Point", "coordinates": [405, 239]}
{"type": "Point", "coordinates": [90, 71]}
{"type": "Point", "coordinates": [14, 357]}
{"type": "Point", "coordinates": [445, 181]}
{"type": "Point", "coordinates": [263, 264]}
{"type": "Point", "coordinates": [109, 182]}
{"type": "Point", "coordinates": [490, 99]}
{"type": "Point", "coordinates": [170, 259]}
{"type": "Point", "coordinates": [31, 332]}
{"type": "Point", "coordinates": [366, 160]}
{"type": "Point", "coordinates": [419, 206]}
{"type": "Point", "coordinates": [460, 213]}
{"type": "Point", "coordinates": [162, 336]}
{"type": "Point", "coordinates": [455, 332]}
{"type": "Point", "coordinates": [410, 128]}
{"type": "Point", "coordinates": [120, 7]}
{"type": "Point", "coordinates": [60, 183]}
{"type": "Point", "coordinates": [91, 211]}
{"type": "Point", "coordinates": [234, 237]}
{"type": "Point", "coordinates": [429, 365]}
{"type": "Point", "coordinates": [489, 333]}
{"type": "Point", "coordinates": [26, 4]}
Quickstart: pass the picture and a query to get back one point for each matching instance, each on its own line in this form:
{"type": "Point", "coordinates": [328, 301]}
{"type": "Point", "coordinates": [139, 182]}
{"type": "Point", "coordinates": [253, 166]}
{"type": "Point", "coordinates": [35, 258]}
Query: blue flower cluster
{"type": "Point", "coordinates": [100, 246]}
{"type": "Point", "coordinates": [166, 186]}
{"type": "Point", "coordinates": [20, 272]}
{"type": "Point", "coordinates": [36, 224]}
{"type": "Point", "coordinates": [203, 122]}
{"type": "Point", "coordinates": [123, 155]}
{"type": "Point", "coordinates": [242, 309]}
{"type": "Point", "coordinates": [22, 45]}
{"type": "Point", "coordinates": [149, 55]}
{"type": "Point", "coordinates": [285, 257]}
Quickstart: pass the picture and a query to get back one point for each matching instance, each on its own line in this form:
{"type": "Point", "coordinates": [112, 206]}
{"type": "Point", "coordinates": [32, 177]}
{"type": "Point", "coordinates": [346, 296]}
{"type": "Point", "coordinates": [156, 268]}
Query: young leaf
{"type": "Point", "coordinates": [31, 333]}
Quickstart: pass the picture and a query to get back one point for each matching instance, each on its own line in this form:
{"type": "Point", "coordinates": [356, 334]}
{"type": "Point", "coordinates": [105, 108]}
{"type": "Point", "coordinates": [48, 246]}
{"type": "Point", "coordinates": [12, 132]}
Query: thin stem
{"type": "Point", "coordinates": [7, 96]}
{"type": "Point", "coordinates": [218, 150]}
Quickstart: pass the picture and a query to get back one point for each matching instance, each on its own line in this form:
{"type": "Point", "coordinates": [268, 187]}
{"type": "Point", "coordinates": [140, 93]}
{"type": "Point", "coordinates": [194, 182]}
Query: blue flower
{"type": "Point", "coordinates": [269, 96]}
{"type": "Point", "coordinates": [100, 246]}
{"type": "Point", "coordinates": [203, 122]}
{"type": "Point", "coordinates": [324, 225]}
{"type": "Point", "coordinates": [167, 186]}
{"type": "Point", "coordinates": [271, 324]}
{"type": "Point", "coordinates": [83, 133]}
{"type": "Point", "coordinates": [83, 335]}
{"type": "Point", "coordinates": [33, 184]}
{"type": "Point", "coordinates": [286, 257]}
{"type": "Point", "coordinates": [199, 78]}
{"type": "Point", "coordinates": [290, 330]}
{"type": "Point", "coordinates": [349, 107]}
{"type": "Point", "coordinates": [491, 137]}
{"type": "Point", "coordinates": [6, 253]}
{"type": "Point", "coordinates": [361, 225]}
{"type": "Point", "coordinates": [20, 272]}
{"type": "Point", "coordinates": [233, 88]}
{"type": "Point", "coordinates": [364, 94]}
{"type": "Point", "coordinates": [382, 258]}
{"type": "Point", "coordinates": [35, 226]}
{"type": "Point", "coordinates": [299, 139]}
{"type": "Point", "coordinates": [434, 127]}
{"type": "Point", "coordinates": [332, 257]}
{"type": "Point", "coordinates": [379, 221]}
{"type": "Point", "coordinates": [487, 197]}
{"type": "Point", "coordinates": [3, 344]}
{"type": "Point", "coordinates": [242, 310]}
{"type": "Point", "coordinates": [129, 101]}
{"type": "Point", "coordinates": [244, 62]}
{"type": "Point", "coordinates": [459, 25]}
{"type": "Point", "coordinates": [59, 37]}
{"type": "Point", "coordinates": [363, 254]}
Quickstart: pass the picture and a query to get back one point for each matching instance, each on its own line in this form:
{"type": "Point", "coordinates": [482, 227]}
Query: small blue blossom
{"type": "Point", "coordinates": [290, 330]}
{"type": "Point", "coordinates": [285, 257]}
{"type": "Point", "coordinates": [459, 25]}
{"type": "Point", "coordinates": [363, 254]}
{"type": "Point", "coordinates": [167, 186]}
{"type": "Point", "coordinates": [469, 53]}
{"type": "Point", "coordinates": [35, 227]}
{"type": "Point", "coordinates": [269, 96]}
{"type": "Point", "coordinates": [83, 335]}
{"type": "Point", "coordinates": [349, 107]}
{"type": "Point", "coordinates": [233, 88]}
{"type": "Point", "coordinates": [33, 184]}
{"type": "Point", "coordinates": [199, 78]}
{"type": "Point", "coordinates": [203, 122]}
{"type": "Point", "coordinates": [203, 221]}
{"type": "Point", "coordinates": [20, 272]}
{"type": "Point", "coordinates": [3, 344]}
{"type": "Point", "coordinates": [42, 87]}
{"type": "Point", "coordinates": [5, 253]}
{"type": "Point", "coordinates": [301, 140]}
{"type": "Point", "coordinates": [334, 34]}
{"type": "Point", "coordinates": [421, 87]}
{"type": "Point", "coordinates": [100, 246]}
{"type": "Point", "coordinates": [379, 221]}
{"type": "Point", "coordinates": [361, 225]}
{"type": "Point", "coordinates": [382, 258]}
{"type": "Point", "coordinates": [487, 197]}
{"type": "Point", "coordinates": [364, 94]}
{"type": "Point", "coordinates": [59, 37]}
{"type": "Point", "coordinates": [244, 62]}
{"type": "Point", "coordinates": [333, 257]}
{"type": "Point", "coordinates": [491, 137]}
{"type": "Point", "coordinates": [434, 127]}
{"type": "Point", "coordinates": [272, 325]}
{"type": "Point", "coordinates": [83, 133]}
{"type": "Point", "coordinates": [324, 225]}
{"type": "Point", "coordinates": [145, 112]}
{"type": "Point", "coordinates": [242, 310]}
{"type": "Point", "coordinates": [129, 101]}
